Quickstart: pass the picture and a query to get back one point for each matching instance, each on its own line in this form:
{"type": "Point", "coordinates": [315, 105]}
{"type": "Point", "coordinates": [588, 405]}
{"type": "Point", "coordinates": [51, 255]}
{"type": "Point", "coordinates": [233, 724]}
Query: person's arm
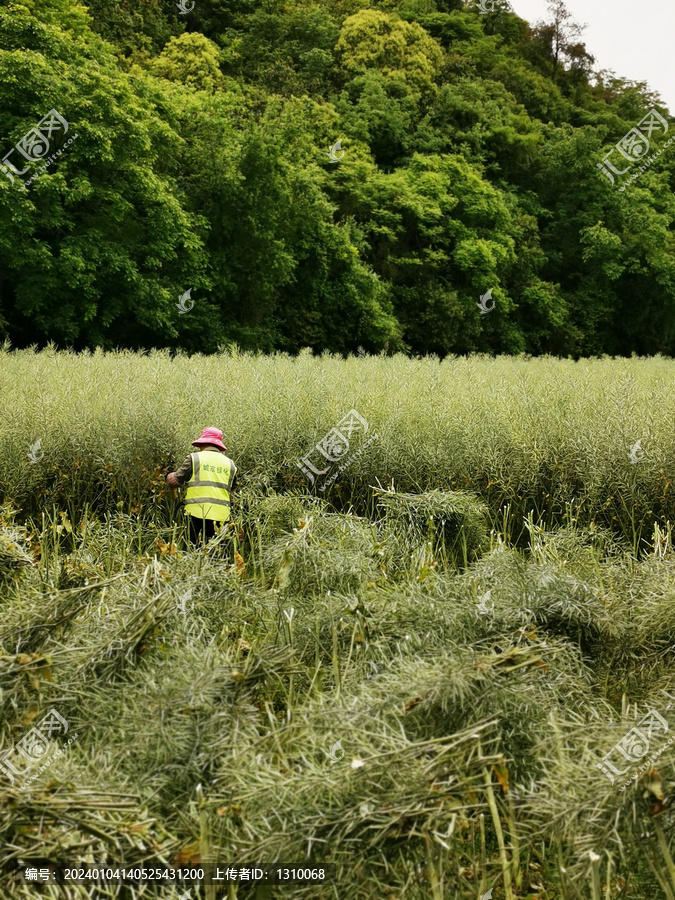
{"type": "Point", "coordinates": [182, 474]}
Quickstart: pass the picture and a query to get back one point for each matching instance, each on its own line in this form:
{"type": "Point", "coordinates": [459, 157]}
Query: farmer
{"type": "Point", "coordinates": [210, 476]}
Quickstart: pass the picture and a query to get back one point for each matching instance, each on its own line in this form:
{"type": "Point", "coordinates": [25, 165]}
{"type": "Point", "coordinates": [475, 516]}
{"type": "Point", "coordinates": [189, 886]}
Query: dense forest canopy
{"type": "Point", "coordinates": [200, 161]}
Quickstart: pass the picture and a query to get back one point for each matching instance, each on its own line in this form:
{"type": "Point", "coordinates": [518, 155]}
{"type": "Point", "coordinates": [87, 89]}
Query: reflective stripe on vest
{"type": "Point", "coordinates": [208, 490]}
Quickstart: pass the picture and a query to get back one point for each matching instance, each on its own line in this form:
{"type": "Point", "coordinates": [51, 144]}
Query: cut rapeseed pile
{"type": "Point", "coordinates": [430, 732]}
{"type": "Point", "coordinates": [453, 523]}
{"type": "Point", "coordinates": [14, 549]}
{"type": "Point", "coordinates": [329, 552]}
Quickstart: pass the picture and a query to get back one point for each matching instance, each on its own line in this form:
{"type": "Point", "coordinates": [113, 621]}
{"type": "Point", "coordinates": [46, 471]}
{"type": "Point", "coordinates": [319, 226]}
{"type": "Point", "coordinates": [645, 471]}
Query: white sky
{"type": "Point", "coordinates": [632, 37]}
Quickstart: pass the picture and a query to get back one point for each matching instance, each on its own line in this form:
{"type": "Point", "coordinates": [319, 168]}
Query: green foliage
{"type": "Point", "coordinates": [289, 52]}
{"type": "Point", "coordinates": [201, 163]}
{"type": "Point", "coordinates": [525, 436]}
{"type": "Point", "coordinates": [135, 27]}
{"type": "Point", "coordinates": [93, 251]}
{"type": "Point", "coordinates": [192, 60]}
{"type": "Point", "coordinates": [400, 50]}
{"type": "Point", "coordinates": [449, 523]}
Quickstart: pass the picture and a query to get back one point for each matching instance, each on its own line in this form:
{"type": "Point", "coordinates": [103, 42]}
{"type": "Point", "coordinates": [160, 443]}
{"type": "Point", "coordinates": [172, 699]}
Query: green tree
{"type": "Point", "coordinates": [192, 60]}
{"type": "Point", "coordinates": [470, 142]}
{"type": "Point", "coordinates": [559, 37]}
{"type": "Point", "coordinates": [135, 27]}
{"type": "Point", "coordinates": [289, 52]}
{"type": "Point", "coordinates": [441, 236]}
{"type": "Point", "coordinates": [284, 273]}
{"type": "Point", "coordinates": [99, 247]}
{"type": "Point", "coordinates": [381, 113]}
{"type": "Point", "coordinates": [401, 51]}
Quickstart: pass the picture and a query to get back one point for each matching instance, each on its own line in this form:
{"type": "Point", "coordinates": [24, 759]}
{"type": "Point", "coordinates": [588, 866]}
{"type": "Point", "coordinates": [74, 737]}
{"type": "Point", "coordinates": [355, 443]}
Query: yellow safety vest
{"type": "Point", "coordinates": [208, 490]}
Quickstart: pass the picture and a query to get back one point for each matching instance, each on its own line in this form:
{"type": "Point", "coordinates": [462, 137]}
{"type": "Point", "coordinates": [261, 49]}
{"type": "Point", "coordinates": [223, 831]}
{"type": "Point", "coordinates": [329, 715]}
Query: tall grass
{"type": "Point", "coordinates": [527, 435]}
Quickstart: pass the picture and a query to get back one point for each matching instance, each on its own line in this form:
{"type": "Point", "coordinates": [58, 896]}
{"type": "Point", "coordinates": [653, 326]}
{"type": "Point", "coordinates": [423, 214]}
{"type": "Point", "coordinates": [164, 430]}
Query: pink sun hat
{"type": "Point", "coordinates": [210, 436]}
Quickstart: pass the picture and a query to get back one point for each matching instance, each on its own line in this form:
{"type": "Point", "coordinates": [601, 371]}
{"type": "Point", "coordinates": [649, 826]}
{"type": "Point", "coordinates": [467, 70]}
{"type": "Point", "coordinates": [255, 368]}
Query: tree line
{"type": "Point", "coordinates": [207, 160]}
